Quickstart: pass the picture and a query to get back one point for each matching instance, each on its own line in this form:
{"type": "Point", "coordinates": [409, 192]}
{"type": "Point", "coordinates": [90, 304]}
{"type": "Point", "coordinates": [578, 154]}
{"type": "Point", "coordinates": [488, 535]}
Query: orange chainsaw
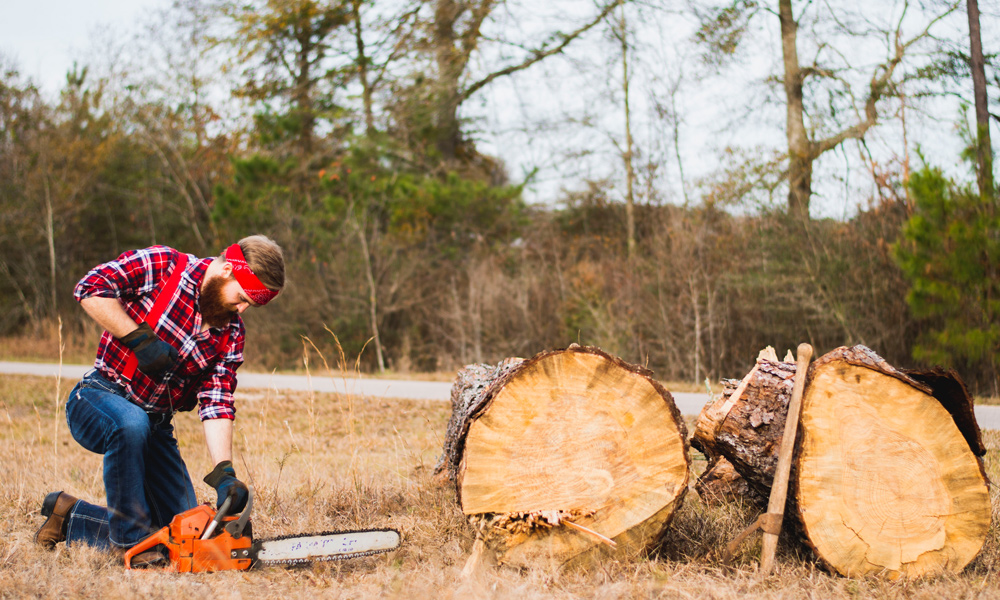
{"type": "Point", "coordinates": [195, 542]}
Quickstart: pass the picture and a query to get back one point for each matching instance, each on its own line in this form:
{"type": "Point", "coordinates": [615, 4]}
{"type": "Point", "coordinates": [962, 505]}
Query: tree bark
{"type": "Point", "coordinates": [361, 230]}
{"type": "Point", "coordinates": [572, 435]}
{"type": "Point", "coordinates": [452, 49]}
{"type": "Point", "coordinates": [746, 423]}
{"type": "Point", "coordinates": [888, 474]}
{"type": "Point", "coordinates": [304, 85]}
{"type": "Point", "coordinates": [628, 155]}
{"type": "Point", "coordinates": [50, 238]}
{"type": "Point", "coordinates": [799, 159]}
{"type": "Point", "coordinates": [721, 482]}
{"type": "Point", "coordinates": [984, 150]}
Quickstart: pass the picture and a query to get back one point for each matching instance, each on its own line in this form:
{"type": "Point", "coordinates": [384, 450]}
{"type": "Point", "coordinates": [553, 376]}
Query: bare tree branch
{"type": "Point", "coordinates": [540, 53]}
{"type": "Point", "coordinates": [876, 90]}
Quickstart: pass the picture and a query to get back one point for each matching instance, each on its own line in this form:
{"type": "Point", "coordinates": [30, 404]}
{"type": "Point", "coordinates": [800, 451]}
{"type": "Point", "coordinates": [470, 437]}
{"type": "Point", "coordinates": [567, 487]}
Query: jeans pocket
{"type": "Point", "coordinates": [98, 382]}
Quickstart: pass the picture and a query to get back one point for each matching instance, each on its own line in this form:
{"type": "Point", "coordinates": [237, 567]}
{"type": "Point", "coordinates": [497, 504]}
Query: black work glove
{"type": "Point", "coordinates": [223, 479]}
{"type": "Point", "coordinates": [154, 355]}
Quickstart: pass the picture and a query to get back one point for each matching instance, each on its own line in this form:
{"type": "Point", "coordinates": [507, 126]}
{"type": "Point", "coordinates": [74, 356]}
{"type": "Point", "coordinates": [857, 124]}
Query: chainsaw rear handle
{"type": "Point", "coordinates": [160, 537]}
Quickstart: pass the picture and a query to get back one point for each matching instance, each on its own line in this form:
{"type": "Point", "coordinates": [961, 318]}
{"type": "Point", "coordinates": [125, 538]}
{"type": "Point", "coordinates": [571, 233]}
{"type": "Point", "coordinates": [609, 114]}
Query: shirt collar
{"type": "Point", "coordinates": [194, 274]}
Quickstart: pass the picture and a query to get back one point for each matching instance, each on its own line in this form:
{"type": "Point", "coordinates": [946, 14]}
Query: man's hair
{"type": "Point", "coordinates": [265, 259]}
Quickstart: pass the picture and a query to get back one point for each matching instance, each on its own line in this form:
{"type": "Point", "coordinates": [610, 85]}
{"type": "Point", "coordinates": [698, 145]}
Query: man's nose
{"type": "Point", "coordinates": [242, 306]}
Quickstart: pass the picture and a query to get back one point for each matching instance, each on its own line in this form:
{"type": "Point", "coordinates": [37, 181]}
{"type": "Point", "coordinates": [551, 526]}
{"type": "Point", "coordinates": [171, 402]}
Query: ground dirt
{"type": "Point", "coordinates": [323, 462]}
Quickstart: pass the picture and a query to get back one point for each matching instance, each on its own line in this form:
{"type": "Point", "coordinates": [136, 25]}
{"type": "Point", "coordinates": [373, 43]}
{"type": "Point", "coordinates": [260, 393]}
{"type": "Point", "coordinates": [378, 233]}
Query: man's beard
{"type": "Point", "coordinates": [213, 310]}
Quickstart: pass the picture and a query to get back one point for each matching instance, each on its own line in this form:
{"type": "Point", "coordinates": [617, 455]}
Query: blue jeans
{"type": "Point", "coordinates": [145, 478]}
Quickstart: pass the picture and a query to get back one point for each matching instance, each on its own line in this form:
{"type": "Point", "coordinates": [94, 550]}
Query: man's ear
{"type": "Point", "coordinates": [227, 269]}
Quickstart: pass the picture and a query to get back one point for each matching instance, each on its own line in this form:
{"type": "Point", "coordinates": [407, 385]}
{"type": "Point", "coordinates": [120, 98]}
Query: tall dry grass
{"type": "Point", "coordinates": [323, 461]}
{"type": "Point", "coordinates": [53, 341]}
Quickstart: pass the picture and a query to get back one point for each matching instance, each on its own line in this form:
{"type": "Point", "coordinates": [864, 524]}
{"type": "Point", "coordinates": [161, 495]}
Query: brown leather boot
{"type": "Point", "coordinates": [56, 507]}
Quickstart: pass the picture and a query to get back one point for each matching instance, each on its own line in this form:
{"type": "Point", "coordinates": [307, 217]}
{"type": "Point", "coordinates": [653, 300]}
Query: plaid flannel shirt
{"type": "Point", "coordinates": [203, 373]}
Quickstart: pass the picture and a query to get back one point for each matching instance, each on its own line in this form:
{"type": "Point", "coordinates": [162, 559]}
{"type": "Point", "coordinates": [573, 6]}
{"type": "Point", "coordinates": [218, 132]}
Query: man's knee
{"type": "Point", "coordinates": [100, 421]}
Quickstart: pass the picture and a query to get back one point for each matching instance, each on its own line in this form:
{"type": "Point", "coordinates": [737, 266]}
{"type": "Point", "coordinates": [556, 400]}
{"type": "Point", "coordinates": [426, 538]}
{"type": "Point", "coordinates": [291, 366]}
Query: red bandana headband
{"type": "Point", "coordinates": [247, 280]}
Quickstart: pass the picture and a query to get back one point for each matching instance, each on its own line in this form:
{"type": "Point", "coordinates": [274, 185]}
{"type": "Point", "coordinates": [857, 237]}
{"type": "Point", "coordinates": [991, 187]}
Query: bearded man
{"type": "Point", "coordinates": [173, 340]}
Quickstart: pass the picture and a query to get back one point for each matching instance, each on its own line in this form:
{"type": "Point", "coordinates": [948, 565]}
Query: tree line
{"type": "Point", "coordinates": [344, 133]}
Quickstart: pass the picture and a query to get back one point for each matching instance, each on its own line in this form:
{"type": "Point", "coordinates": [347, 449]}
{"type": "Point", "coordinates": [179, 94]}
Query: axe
{"type": "Point", "coordinates": [770, 521]}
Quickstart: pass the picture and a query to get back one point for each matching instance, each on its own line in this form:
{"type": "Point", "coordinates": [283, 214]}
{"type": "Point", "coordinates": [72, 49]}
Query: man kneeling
{"type": "Point", "coordinates": [173, 340]}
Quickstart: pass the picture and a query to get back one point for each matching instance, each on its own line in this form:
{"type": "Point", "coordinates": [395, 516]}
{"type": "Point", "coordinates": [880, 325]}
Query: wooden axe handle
{"type": "Point", "coordinates": [779, 489]}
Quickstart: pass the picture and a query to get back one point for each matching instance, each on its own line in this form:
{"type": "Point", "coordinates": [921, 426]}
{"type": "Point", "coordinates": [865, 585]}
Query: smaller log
{"type": "Point", "coordinates": [746, 422]}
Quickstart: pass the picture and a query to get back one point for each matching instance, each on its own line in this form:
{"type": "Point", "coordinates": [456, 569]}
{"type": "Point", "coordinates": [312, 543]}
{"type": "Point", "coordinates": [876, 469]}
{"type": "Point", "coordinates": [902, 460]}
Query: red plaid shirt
{"type": "Point", "coordinates": [203, 373]}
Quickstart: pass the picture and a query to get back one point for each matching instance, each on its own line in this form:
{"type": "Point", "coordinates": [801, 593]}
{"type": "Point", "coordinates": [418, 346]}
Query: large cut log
{"type": "Point", "coordinates": [555, 457]}
{"type": "Point", "coordinates": [888, 475]}
{"type": "Point", "coordinates": [886, 478]}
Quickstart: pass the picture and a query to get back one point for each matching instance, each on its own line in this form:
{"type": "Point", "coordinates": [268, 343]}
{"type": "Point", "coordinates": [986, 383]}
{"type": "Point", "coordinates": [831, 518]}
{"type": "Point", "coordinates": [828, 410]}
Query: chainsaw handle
{"type": "Point", "coordinates": [160, 537]}
{"type": "Point", "coordinates": [218, 518]}
{"type": "Point", "coordinates": [235, 528]}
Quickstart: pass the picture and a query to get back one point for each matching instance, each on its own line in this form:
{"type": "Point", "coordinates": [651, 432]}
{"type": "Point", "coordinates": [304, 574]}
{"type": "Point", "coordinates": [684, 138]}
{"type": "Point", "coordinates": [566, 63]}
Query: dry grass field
{"type": "Point", "coordinates": [320, 462]}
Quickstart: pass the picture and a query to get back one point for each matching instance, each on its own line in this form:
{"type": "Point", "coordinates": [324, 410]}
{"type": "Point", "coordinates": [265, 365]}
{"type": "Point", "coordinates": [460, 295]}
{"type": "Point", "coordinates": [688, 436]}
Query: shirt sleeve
{"type": "Point", "coordinates": [133, 274]}
{"type": "Point", "coordinates": [215, 396]}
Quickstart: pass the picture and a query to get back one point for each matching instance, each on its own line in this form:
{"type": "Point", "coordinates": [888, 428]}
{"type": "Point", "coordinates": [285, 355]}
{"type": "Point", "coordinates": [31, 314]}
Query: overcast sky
{"type": "Point", "coordinates": [44, 36]}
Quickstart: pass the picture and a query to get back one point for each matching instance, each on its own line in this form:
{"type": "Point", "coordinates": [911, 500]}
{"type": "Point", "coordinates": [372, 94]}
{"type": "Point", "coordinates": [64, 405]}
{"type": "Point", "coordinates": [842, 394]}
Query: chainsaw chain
{"type": "Point", "coordinates": [306, 561]}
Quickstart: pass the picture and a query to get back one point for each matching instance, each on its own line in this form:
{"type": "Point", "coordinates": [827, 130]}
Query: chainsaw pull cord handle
{"type": "Point", "coordinates": [218, 518]}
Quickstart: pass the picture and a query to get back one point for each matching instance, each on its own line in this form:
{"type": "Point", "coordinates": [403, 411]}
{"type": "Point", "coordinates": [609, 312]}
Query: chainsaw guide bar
{"type": "Point", "coordinates": [297, 549]}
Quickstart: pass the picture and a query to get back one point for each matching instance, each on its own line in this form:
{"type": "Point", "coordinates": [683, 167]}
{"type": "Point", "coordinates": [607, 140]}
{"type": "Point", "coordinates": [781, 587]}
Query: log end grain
{"type": "Point", "coordinates": [886, 482]}
{"type": "Point", "coordinates": [581, 435]}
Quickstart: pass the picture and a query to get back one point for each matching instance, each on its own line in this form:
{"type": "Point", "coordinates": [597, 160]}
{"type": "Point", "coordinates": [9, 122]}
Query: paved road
{"type": "Point", "coordinates": [689, 404]}
{"type": "Point", "coordinates": [379, 388]}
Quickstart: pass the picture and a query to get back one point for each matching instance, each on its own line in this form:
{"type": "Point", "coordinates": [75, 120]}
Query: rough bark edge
{"type": "Point", "coordinates": [715, 412]}
{"type": "Point", "coordinates": [758, 468]}
{"type": "Point", "coordinates": [863, 356]}
{"type": "Point", "coordinates": [702, 443]}
{"type": "Point", "coordinates": [467, 393]}
{"type": "Point", "coordinates": [755, 468]}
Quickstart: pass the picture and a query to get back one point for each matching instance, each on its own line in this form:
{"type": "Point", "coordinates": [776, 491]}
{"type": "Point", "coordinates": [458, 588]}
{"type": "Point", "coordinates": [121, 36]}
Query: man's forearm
{"type": "Point", "coordinates": [219, 437]}
{"type": "Point", "coordinates": [109, 314]}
